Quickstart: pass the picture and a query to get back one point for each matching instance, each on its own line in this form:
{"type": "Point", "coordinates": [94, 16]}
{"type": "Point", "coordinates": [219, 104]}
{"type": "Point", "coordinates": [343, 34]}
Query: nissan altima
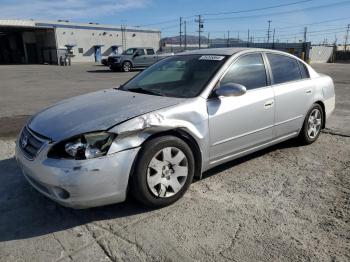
{"type": "Point", "coordinates": [180, 117]}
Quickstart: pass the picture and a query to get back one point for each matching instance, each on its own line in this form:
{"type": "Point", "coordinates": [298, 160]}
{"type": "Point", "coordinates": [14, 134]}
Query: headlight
{"type": "Point", "coordinates": [86, 146]}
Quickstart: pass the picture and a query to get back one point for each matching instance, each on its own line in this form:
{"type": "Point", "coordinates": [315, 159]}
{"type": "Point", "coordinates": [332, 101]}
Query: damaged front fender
{"type": "Point", "coordinates": [191, 117]}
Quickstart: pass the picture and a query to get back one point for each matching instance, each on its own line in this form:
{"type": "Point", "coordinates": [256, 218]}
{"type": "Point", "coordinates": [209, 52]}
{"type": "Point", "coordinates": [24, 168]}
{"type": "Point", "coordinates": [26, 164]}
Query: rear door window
{"type": "Point", "coordinates": [284, 68]}
{"type": "Point", "coordinates": [150, 52]}
{"type": "Point", "coordinates": [141, 52]}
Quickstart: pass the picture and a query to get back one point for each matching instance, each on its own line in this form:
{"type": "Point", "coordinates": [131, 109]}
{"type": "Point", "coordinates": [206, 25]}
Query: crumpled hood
{"type": "Point", "coordinates": [95, 111]}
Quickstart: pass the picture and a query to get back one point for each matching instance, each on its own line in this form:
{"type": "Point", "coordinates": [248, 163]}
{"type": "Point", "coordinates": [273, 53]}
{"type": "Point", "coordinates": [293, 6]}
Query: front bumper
{"type": "Point", "coordinates": [104, 62]}
{"type": "Point", "coordinates": [115, 65]}
{"type": "Point", "coordinates": [79, 183]}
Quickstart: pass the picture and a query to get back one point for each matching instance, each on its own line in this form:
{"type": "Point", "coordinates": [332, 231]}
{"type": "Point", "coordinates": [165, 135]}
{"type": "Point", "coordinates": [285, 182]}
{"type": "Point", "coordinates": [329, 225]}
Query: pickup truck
{"type": "Point", "coordinates": [137, 57]}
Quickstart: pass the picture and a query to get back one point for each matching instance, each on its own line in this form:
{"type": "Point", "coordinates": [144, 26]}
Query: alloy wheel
{"type": "Point", "coordinates": [167, 172]}
{"type": "Point", "coordinates": [127, 66]}
{"type": "Point", "coordinates": [314, 123]}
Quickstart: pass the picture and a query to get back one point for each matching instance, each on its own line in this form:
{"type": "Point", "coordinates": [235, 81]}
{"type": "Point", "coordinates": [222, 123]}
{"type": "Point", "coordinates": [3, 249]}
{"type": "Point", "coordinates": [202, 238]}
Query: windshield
{"type": "Point", "coordinates": [176, 76]}
{"type": "Point", "coordinates": [129, 51]}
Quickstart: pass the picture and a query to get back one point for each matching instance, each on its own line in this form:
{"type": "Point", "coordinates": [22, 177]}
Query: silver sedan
{"type": "Point", "coordinates": [180, 117]}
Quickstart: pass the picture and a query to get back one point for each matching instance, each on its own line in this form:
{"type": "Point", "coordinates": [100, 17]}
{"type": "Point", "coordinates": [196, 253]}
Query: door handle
{"type": "Point", "coordinates": [268, 104]}
{"type": "Point", "coordinates": [309, 91]}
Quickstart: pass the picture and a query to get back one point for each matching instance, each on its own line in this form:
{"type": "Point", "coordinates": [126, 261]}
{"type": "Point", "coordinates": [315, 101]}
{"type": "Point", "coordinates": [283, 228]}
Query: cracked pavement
{"type": "Point", "coordinates": [285, 203]}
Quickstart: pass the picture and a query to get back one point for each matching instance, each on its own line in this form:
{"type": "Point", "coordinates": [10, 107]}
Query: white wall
{"type": "Point", "coordinates": [88, 38]}
{"type": "Point", "coordinates": [321, 54]}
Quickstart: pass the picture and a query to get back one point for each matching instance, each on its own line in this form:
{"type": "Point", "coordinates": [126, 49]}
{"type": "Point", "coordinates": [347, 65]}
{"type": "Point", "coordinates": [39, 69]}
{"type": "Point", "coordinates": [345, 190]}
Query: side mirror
{"type": "Point", "coordinates": [231, 89]}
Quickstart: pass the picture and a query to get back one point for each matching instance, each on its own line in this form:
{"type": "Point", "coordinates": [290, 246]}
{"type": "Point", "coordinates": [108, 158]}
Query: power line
{"type": "Point", "coordinates": [257, 9]}
{"type": "Point", "coordinates": [232, 12]}
{"type": "Point", "coordinates": [330, 33]}
{"type": "Point", "coordinates": [312, 8]}
{"type": "Point", "coordinates": [316, 23]}
{"type": "Point", "coordinates": [310, 33]}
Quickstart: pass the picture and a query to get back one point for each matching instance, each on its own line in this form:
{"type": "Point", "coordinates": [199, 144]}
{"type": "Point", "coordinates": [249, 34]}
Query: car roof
{"type": "Point", "coordinates": [225, 51]}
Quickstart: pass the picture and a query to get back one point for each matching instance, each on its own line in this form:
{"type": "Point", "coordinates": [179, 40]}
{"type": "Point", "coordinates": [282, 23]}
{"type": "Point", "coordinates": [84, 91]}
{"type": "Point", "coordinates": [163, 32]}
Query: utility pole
{"type": "Point", "coordinates": [208, 39]}
{"type": "Point", "coordinates": [123, 32]}
{"type": "Point", "coordinates": [304, 45]}
{"type": "Point", "coordinates": [238, 37]}
{"type": "Point", "coordinates": [273, 39]}
{"type": "Point", "coordinates": [228, 38]}
{"type": "Point", "coordinates": [200, 29]}
{"type": "Point", "coordinates": [180, 32]}
{"type": "Point", "coordinates": [305, 32]}
{"type": "Point", "coordinates": [185, 22]}
{"type": "Point", "coordinates": [269, 31]}
{"type": "Point", "coordinates": [346, 38]}
{"type": "Point", "coordinates": [248, 39]}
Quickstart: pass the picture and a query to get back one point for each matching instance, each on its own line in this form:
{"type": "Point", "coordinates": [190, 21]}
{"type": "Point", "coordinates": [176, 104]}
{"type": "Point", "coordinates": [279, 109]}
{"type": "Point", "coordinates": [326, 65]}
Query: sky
{"type": "Point", "coordinates": [325, 19]}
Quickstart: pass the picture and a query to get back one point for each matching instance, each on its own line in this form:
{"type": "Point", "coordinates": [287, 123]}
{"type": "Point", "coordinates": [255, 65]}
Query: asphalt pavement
{"type": "Point", "coordinates": [285, 203]}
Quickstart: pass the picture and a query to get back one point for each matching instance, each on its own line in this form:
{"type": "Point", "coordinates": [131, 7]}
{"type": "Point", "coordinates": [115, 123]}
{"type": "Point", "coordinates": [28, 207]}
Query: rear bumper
{"type": "Point", "coordinates": [329, 106]}
{"type": "Point", "coordinates": [80, 183]}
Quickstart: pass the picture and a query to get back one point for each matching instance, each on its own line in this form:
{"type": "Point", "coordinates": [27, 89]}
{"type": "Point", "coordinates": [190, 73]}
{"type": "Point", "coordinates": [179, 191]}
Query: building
{"type": "Point", "coordinates": [31, 41]}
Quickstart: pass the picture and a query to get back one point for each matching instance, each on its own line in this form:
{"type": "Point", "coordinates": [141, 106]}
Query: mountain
{"type": "Point", "coordinates": [193, 39]}
{"type": "Point", "coordinates": [175, 40]}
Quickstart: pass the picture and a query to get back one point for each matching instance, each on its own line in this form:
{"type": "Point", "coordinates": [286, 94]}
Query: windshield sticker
{"type": "Point", "coordinates": [212, 57]}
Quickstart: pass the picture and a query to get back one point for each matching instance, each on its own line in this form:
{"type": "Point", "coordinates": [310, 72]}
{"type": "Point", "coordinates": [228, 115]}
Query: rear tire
{"type": "Point", "coordinates": [312, 125]}
{"type": "Point", "coordinates": [163, 172]}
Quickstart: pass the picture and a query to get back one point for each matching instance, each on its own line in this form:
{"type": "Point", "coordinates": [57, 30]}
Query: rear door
{"type": "Point", "coordinates": [293, 93]}
{"type": "Point", "coordinates": [140, 58]}
{"type": "Point", "coordinates": [239, 123]}
{"type": "Point", "coordinates": [151, 56]}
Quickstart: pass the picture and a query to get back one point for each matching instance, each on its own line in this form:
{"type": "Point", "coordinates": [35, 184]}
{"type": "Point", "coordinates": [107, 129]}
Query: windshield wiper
{"type": "Point", "coordinates": [144, 91]}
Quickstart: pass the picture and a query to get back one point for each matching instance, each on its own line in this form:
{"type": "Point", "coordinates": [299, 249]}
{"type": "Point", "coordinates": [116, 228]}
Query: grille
{"type": "Point", "coordinates": [30, 144]}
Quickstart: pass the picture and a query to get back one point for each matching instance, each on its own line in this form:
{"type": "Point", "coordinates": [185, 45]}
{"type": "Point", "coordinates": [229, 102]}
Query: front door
{"type": "Point", "coordinates": [240, 123]}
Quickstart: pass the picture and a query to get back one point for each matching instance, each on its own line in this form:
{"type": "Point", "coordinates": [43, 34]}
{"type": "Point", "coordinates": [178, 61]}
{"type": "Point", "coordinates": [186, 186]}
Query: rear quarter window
{"type": "Point", "coordinates": [284, 68]}
{"type": "Point", "coordinates": [303, 70]}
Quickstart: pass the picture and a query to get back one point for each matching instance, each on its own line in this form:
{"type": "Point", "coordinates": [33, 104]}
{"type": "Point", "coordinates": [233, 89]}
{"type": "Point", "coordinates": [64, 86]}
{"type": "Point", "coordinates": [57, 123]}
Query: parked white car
{"type": "Point", "coordinates": [178, 118]}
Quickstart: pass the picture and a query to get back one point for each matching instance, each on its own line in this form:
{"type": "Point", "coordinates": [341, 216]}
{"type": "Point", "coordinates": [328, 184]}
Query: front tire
{"type": "Point", "coordinates": [126, 67]}
{"type": "Point", "coordinates": [164, 171]}
{"type": "Point", "coordinates": [312, 126]}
